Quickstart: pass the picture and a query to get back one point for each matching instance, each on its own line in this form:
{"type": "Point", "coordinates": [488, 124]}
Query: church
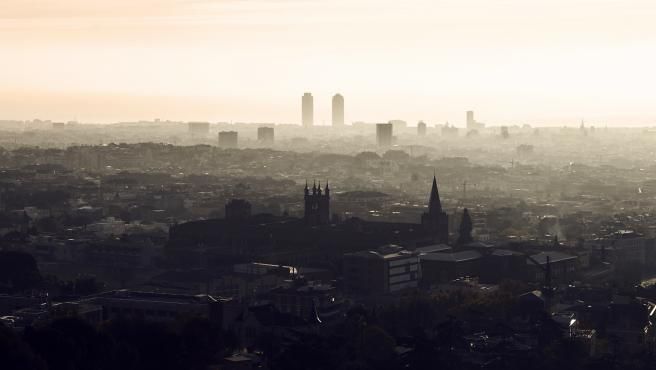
{"type": "Point", "coordinates": [314, 239]}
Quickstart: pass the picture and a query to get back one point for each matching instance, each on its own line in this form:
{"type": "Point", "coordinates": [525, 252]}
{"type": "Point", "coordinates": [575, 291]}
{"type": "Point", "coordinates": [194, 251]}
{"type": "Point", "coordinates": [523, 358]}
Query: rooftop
{"type": "Point", "coordinates": [461, 256]}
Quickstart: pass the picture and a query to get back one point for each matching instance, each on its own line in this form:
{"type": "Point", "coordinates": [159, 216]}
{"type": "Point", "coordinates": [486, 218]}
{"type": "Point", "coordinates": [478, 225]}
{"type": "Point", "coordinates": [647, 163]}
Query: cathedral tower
{"type": "Point", "coordinates": [317, 205]}
{"type": "Point", "coordinates": [436, 221]}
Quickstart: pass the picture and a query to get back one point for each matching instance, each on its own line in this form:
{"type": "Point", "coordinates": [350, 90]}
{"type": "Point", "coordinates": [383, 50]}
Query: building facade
{"type": "Point", "coordinates": [338, 110]}
{"type": "Point", "coordinates": [228, 139]}
{"type": "Point", "coordinates": [307, 110]}
{"type": "Point", "coordinates": [390, 269]}
{"type": "Point", "coordinates": [384, 133]}
{"type": "Point", "coordinates": [265, 135]}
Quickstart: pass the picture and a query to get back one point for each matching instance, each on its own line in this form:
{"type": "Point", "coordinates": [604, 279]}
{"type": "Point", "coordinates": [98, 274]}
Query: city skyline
{"type": "Point", "coordinates": [327, 184]}
{"type": "Point", "coordinates": [545, 64]}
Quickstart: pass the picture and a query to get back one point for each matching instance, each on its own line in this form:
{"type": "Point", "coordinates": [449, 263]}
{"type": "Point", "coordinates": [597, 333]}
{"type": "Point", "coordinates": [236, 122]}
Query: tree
{"type": "Point", "coordinates": [396, 155]}
{"type": "Point", "coordinates": [377, 348]}
{"type": "Point", "coordinates": [18, 271]}
{"type": "Point", "coordinates": [16, 354]}
{"type": "Point", "coordinates": [367, 156]}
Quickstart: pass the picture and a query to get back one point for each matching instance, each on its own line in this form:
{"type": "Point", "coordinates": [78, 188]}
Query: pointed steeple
{"type": "Point", "coordinates": [434, 204]}
{"type": "Point", "coordinates": [327, 189]}
{"type": "Point", "coordinates": [314, 188]}
{"type": "Point", "coordinates": [307, 190]}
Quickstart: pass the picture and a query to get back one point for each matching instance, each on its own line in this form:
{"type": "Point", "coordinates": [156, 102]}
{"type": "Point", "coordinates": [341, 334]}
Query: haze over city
{"type": "Point", "coordinates": [327, 185]}
{"type": "Point", "coordinates": [543, 63]}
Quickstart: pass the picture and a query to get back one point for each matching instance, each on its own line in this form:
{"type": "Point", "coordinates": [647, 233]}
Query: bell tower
{"type": "Point", "coordinates": [317, 205]}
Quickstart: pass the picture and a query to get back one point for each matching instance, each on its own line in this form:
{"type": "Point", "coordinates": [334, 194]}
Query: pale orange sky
{"type": "Point", "coordinates": [513, 61]}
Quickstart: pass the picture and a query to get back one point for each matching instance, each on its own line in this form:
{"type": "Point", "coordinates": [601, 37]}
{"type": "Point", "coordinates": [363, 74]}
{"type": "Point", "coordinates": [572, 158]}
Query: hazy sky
{"type": "Point", "coordinates": [513, 61]}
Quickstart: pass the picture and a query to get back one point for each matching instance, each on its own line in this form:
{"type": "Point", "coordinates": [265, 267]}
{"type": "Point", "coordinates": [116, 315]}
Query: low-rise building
{"type": "Point", "coordinates": [390, 269]}
{"type": "Point", "coordinates": [163, 306]}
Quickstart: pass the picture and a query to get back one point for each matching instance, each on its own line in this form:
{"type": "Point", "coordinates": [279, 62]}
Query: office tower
{"type": "Point", "coordinates": [399, 125]}
{"type": "Point", "coordinates": [228, 139]}
{"type": "Point", "coordinates": [470, 120]}
{"type": "Point", "coordinates": [472, 124]}
{"type": "Point", "coordinates": [338, 110]}
{"type": "Point", "coordinates": [265, 135]}
{"type": "Point", "coordinates": [307, 110]}
{"type": "Point", "coordinates": [421, 128]}
{"type": "Point", "coordinates": [199, 128]}
{"type": "Point", "coordinates": [384, 134]}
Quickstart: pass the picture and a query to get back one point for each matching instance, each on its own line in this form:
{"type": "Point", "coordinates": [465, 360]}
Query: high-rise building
{"type": "Point", "coordinates": [384, 134]}
{"type": "Point", "coordinates": [471, 122]}
{"type": "Point", "coordinates": [228, 139]}
{"type": "Point", "coordinates": [307, 110]}
{"type": "Point", "coordinates": [338, 110]}
{"type": "Point", "coordinates": [421, 128]}
{"type": "Point", "coordinates": [265, 135]}
{"type": "Point", "coordinates": [470, 119]}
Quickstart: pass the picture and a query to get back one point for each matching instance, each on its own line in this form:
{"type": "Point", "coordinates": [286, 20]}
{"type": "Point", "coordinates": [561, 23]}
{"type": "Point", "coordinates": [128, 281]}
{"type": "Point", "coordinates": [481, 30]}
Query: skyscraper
{"type": "Point", "coordinates": [472, 124]}
{"type": "Point", "coordinates": [470, 119]}
{"type": "Point", "coordinates": [338, 110]}
{"type": "Point", "coordinates": [384, 134]}
{"type": "Point", "coordinates": [307, 110]}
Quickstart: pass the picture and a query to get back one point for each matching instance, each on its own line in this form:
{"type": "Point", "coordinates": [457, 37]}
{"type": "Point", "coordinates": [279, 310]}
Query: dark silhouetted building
{"type": "Point", "coordinates": [265, 135]}
{"type": "Point", "coordinates": [317, 205]}
{"type": "Point", "coordinates": [384, 134]}
{"type": "Point", "coordinates": [153, 306]}
{"type": "Point", "coordinates": [446, 266]}
{"type": "Point", "coordinates": [338, 110]}
{"type": "Point", "coordinates": [228, 139]}
{"type": "Point", "coordinates": [389, 269]}
{"type": "Point", "coordinates": [313, 239]}
{"type": "Point", "coordinates": [436, 221]}
{"type": "Point", "coordinates": [307, 110]}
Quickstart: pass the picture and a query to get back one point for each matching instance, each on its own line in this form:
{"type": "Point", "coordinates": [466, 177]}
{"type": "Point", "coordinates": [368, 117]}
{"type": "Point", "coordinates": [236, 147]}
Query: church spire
{"type": "Point", "coordinates": [434, 204]}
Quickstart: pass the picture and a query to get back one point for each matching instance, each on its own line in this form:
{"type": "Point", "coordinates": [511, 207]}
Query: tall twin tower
{"type": "Point", "coordinates": [307, 110]}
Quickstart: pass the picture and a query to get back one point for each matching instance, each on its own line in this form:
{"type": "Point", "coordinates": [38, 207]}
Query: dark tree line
{"type": "Point", "coordinates": [73, 344]}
